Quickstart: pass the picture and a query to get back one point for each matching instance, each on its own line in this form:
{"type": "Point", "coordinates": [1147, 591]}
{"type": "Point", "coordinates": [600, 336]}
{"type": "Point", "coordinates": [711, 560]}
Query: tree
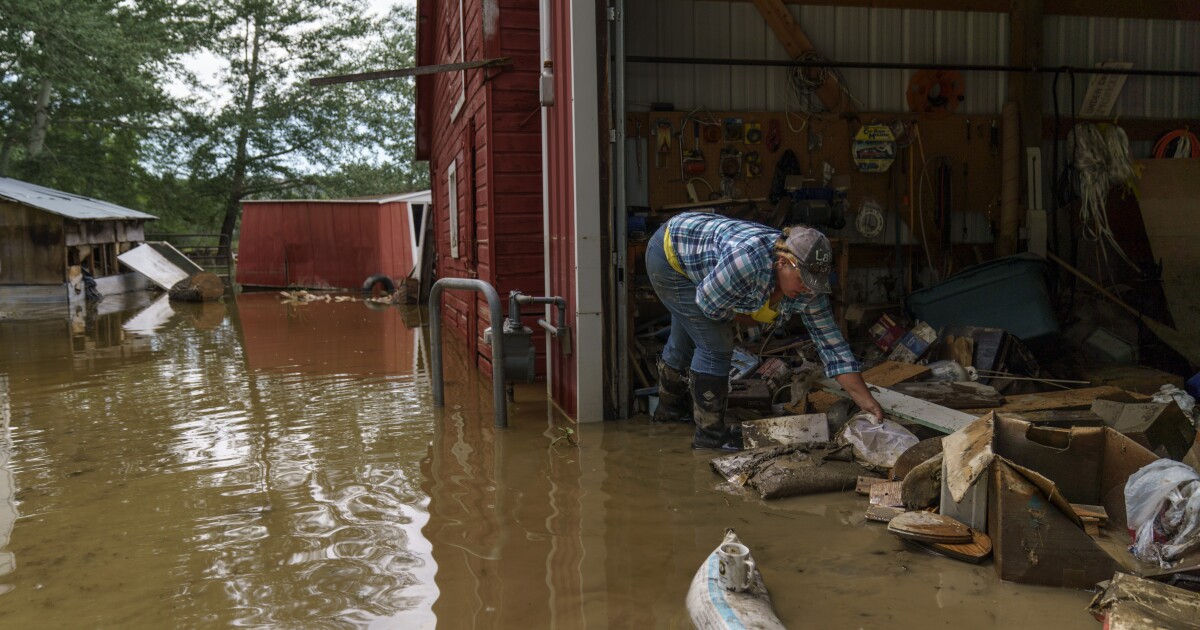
{"type": "Point", "coordinates": [81, 88]}
{"type": "Point", "coordinates": [269, 132]}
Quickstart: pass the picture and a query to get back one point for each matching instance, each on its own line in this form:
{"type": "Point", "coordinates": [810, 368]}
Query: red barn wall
{"type": "Point", "coordinates": [495, 144]}
{"type": "Point", "coordinates": [322, 244]}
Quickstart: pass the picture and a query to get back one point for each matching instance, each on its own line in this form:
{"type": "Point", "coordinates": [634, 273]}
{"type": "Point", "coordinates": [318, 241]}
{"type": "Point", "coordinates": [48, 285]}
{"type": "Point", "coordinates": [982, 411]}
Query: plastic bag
{"type": "Point", "coordinates": [876, 446]}
{"type": "Point", "coordinates": [1167, 393]}
{"type": "Point", "coordinates": [1162, 508]}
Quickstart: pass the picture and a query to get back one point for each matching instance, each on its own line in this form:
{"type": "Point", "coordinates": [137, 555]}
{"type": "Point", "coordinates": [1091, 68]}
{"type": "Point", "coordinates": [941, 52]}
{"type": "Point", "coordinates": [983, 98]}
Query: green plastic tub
{"type": "Point", "coordinates": [1008, 293]}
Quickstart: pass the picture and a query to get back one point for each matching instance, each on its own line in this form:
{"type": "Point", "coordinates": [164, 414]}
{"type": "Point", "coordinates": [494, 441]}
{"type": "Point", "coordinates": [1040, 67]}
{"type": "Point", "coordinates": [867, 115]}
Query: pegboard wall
{"type": "Point", "coordinates": [969, 145]}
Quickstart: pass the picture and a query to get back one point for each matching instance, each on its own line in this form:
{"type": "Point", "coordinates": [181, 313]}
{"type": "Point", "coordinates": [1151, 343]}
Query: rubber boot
{"type": "Point", "coordinates": [674, 403]}
{"type": "Point", "coordinates": [710, 394]}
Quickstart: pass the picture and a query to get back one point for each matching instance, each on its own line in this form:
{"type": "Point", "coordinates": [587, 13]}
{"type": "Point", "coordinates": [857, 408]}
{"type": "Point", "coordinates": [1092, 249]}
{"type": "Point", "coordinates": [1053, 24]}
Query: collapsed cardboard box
{"type": "Point", "coordinates": [1161, 427]}
{"type": "Point", "coordinates": [1020, 480]}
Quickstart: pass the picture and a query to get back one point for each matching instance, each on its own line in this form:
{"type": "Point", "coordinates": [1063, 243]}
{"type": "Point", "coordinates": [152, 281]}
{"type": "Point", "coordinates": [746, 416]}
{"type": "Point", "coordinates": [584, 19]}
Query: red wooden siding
{"type": "Point", "coordinates": [323, 244]}
{"type": "Point", "coordinates": [495, 145]}
{"type": "Point", "coordinates": [561, 190]}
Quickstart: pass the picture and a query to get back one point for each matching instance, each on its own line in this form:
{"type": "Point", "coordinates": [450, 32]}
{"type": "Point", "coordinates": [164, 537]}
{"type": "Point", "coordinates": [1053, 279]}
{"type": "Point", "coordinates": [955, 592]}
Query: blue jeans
{"type": "Point", "coordinates": [704, 344]}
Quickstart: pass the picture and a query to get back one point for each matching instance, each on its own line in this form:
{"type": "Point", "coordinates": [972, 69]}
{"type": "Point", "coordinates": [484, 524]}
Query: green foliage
{"type": "Point", "coordinates": [99, 97]}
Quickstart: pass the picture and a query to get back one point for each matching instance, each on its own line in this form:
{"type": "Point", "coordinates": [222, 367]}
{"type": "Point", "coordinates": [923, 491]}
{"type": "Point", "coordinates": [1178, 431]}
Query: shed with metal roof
{"type": "Point", "coordinates": [51, 241]}
{"type": "Point", "coordinates": [330, 243]}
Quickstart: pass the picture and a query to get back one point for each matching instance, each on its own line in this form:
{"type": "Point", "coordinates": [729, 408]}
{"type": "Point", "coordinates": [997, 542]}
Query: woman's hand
{"type": "Point", "coordinates": [854, 385]}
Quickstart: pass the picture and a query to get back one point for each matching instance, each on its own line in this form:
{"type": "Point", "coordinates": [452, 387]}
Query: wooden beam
{"type": "Point", "coordinates": [1155, 10]}
{"type": "Point", "coordinates": [1135, 128]}
{"type": "Point", "coordinates": [1025, 49]}
{"type": "Point", "coordinates": [1065, 399]}
{"type": "Point", "coordinates": [912, 409]}
{"type": "Point", "coordinates": [411, 72]}
{"type": "Point", "coordinates": [885, 374]}
{"type": "Point", "coordinates": [796, 43]}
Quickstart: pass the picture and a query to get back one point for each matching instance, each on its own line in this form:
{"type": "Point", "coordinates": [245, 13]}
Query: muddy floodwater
{"type": "Point", "coordinates": [257, 464]}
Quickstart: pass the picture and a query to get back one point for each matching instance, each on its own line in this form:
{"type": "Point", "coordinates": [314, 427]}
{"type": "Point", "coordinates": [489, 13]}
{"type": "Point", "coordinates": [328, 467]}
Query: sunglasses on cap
{"type": "Point", "coordinates": [815, 267]}
{"type": "Point", "coordinates": [818, 267]}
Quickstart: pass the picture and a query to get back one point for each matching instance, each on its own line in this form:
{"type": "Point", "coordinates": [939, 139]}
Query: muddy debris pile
{"type": "Point", "coordinates": [986, 457]}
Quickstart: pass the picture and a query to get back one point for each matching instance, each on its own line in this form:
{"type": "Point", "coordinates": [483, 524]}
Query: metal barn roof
{"type": "Point", "coordinates": [422, 196]}
{"type": "Point", "coordinates": [65, 204]}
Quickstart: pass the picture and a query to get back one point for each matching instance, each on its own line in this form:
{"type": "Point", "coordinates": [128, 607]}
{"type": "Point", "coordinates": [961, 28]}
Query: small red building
{"type": "Point", "coordinates": [330, 243]}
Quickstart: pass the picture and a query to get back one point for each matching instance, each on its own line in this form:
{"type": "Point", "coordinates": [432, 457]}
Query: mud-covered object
{"type": "Point", "coordinates": [784, 471]}
{"type": "Point", "coordinates": [922, 486]}
{"type": "Point", "coordinates": [711, 607]}
{"type": "Point", "coordinates": [674, 400]}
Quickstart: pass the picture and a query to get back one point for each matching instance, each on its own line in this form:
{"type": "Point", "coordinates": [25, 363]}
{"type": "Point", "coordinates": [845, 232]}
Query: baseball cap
{"type": "Point", "coordinates": [815, 254]}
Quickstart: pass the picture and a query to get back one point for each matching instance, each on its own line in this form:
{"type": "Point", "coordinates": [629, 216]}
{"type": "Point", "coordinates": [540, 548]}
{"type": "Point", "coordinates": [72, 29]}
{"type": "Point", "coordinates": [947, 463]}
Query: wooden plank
{"type": "Point", "coordinates": [1090, 512]}
{"type": "Point", "coordinates": [1044, 401]}
{"type": "Point", "coordinates": [912, 409]}
{"type": "Point", "coordinates": [883, 514]}
{"type": "Point", "coordinates": [785, 430]}
{"type": "Point", "coordinates": [886, 494]}
{"type": "Point", "coordinates": [931, 528]}
{"type": "Point", "coordinates": [796, 43]}
{"type": "Point", "coordinates": [964, 395]}
{"type": "Point", "coordinates": [974, 552]}
{"type": "Point", "coordinates": [865, 483]}
{"type": "Point", "coordinates": [885, 374]}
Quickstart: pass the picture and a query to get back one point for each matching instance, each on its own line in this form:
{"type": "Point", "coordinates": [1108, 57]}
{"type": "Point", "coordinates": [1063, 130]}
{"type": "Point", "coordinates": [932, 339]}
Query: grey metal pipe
{"type": "Point", "coordinates": [497, 320]}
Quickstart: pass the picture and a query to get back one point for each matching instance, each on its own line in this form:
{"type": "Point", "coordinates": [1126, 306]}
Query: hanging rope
{"type": "Point", "coordinates": [805, 87]}
{"type": "Point", "coordinates": [1101, 161]}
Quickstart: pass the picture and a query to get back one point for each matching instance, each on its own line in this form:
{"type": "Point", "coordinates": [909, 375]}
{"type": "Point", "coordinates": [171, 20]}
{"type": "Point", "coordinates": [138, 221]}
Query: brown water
{"type": "Point", "coordinates": [258, 464]}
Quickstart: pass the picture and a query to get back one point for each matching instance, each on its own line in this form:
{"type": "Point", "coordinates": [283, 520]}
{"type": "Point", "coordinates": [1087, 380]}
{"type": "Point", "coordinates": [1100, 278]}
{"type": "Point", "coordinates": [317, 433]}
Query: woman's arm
{"type": "Point", "coordinates": [854, 385]}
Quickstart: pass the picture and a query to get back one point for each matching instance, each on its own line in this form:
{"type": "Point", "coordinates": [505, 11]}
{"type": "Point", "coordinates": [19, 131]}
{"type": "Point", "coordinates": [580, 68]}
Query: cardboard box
{"type": "Point", "coordinates": [1032, 474]}
{"type": "Point", "coordinates": [913, 344]}
{"type": "Point", "coordinates": [1162, 428]}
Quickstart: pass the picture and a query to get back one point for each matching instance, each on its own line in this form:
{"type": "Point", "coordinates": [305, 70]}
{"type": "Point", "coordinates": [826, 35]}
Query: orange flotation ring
{"type": "Point", "coordinates": [935, 93]}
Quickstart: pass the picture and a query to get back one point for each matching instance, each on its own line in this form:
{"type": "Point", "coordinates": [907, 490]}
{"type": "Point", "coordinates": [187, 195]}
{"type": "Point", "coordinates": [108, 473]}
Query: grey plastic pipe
{"type": "Point", "coordinates": [499, 405]}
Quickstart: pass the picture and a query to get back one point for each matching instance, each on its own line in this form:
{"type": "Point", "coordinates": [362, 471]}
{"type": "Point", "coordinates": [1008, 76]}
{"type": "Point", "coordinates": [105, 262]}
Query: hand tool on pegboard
{"type": "Point", "coordinates": [662, 139]}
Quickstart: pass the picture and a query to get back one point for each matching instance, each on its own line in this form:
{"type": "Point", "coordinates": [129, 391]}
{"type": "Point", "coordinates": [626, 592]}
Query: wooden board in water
{"type": "Point", "coordinates": [882, 513]}
{"type": "Point", "coordinates": [974, 552]}
{"type": "Point", "coordinates": [930, 528]}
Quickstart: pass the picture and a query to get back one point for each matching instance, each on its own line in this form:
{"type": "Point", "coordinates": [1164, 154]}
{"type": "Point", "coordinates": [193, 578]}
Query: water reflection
{"type": "Point", "coordinates": [8, 506]}
{"type": "Point", "coordinates": [505, 515]}
{"type": "Point", "coordinates": [232, 481]}
{"type": "Point", "coordinates": [268, 465]}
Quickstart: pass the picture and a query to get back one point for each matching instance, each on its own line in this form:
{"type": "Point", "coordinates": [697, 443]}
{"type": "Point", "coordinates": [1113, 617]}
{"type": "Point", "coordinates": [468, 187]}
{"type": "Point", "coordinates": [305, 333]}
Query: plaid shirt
{"type": "Point", "coordinates": [732, 264]}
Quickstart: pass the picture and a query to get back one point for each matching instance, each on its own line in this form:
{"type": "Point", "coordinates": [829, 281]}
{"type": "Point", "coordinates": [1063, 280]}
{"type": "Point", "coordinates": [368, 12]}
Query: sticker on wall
{"type": "Point", "coordinates": [733, 130]}
{"type": "Point", "coordinates": [754, 133]}
{"type": "Point", "coordinates": [874, 148]}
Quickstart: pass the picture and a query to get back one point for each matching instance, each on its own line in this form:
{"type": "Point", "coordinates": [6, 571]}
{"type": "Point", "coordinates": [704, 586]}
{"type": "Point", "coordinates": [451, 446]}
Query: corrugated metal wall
{"type": "Point", "coordinates": [1150, 44]}
{"type": "Point", "coordinates": [736, 29]}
